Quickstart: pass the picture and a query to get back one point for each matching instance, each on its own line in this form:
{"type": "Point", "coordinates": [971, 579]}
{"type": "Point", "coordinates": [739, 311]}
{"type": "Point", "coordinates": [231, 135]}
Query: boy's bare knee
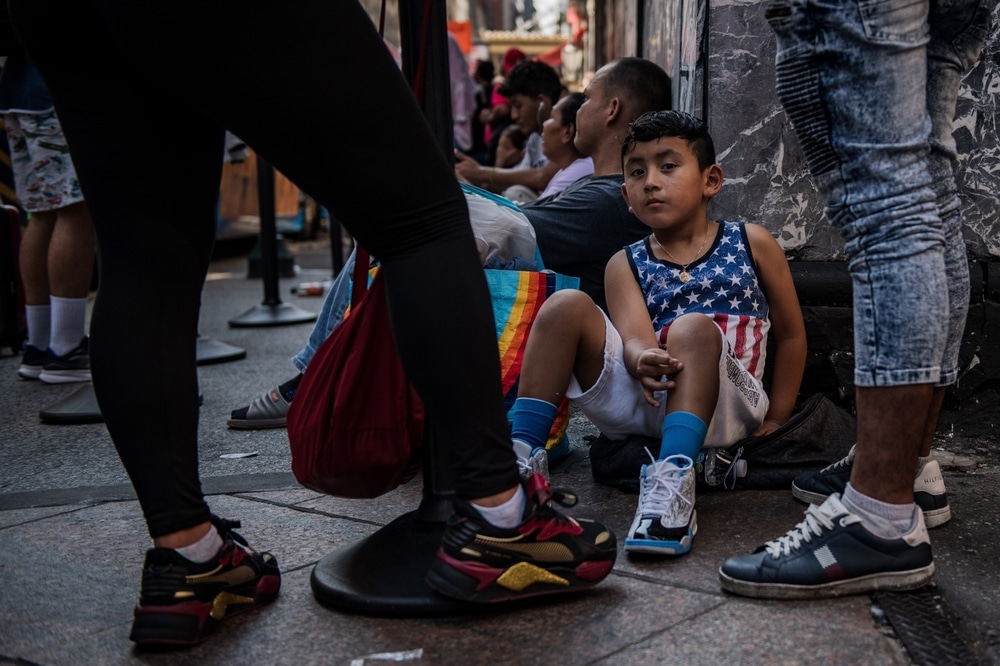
{"type": "Point", "coordinates": [694, 331]}
{"type": "Point", "coordinates": [565, 308]}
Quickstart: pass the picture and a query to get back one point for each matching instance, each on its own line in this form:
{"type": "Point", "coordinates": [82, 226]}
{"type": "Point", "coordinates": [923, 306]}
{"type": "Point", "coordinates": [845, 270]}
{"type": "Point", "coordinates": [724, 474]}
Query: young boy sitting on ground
{"type": "Point", "coordinates": [682, 355]}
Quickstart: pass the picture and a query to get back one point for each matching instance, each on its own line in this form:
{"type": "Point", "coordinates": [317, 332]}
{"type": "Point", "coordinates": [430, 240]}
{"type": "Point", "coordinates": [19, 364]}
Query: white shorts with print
{"type": "Point", "coordinates": [44, 177]}
{"type": "Point", "coordinates": [615, 403]}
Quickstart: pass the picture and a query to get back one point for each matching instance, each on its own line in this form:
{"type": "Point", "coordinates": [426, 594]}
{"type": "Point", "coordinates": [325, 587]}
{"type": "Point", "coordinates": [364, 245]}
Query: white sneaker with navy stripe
{"type": "Point", "coordinates": [830, 554]}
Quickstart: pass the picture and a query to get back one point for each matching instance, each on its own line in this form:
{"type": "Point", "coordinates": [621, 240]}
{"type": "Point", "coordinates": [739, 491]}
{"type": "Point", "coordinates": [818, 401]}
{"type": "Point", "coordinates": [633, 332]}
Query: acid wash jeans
{"type": "Point", "coordinates": [870, 87]}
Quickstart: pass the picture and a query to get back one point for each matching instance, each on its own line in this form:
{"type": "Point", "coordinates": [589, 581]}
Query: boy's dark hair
{"type": "Point", "coordinates": [567, 112]}
{"type": "Point", "coordinates": [651, 126]}
{"type": "Point", "coordinates": [516, 136]}
{"type": "Point", "coordinates": [485, 70]}
{"type": "Point", "coordinates": [532, 78]}
{"type": "Point", "coordinates": [642, 82]}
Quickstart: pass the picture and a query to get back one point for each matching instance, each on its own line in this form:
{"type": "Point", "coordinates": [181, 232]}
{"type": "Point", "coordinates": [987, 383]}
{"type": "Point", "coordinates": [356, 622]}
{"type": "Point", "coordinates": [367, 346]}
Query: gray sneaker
{"type": "Point", "coordinates": [928, 487]}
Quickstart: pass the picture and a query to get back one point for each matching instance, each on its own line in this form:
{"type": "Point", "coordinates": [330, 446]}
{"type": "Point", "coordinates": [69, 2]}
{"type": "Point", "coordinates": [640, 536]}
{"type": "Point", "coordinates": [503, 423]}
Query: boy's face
{"type": "Point", "coordinates": [524, 111]}
{"type": "Point", "coordinates": [664, 185]}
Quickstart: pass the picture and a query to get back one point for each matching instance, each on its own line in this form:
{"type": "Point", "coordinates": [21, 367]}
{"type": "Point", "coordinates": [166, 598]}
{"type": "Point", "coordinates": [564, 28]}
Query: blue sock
{"type": "Point", "coordinates": [531, 421]}
{"type": "Point", "coordinates": [683, 433]}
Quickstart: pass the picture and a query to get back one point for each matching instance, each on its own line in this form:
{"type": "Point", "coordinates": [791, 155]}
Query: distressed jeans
{"type": "Point", "coordinates": [870, 87]}
{"type": "Point", "coordinates": [334, 306]}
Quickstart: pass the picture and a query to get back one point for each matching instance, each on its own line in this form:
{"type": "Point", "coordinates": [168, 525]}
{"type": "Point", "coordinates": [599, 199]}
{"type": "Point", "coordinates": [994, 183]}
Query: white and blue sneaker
{"type": "Point", "coordinates": [665, 521]}
{"type": "Point", "coordinates": [531, 461]}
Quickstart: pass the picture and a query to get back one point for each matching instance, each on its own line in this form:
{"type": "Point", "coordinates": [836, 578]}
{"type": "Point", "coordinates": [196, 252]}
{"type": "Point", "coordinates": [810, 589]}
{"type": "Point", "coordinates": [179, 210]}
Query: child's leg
{"type": "Point", "coordinates": [566, 340]}
{"type": "Point", "coordinates": [694, 340]}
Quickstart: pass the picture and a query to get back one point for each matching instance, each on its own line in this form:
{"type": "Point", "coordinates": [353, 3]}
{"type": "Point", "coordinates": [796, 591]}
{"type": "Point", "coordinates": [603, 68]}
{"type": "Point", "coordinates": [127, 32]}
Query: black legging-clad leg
{"type": "Point", "coordinates": [322, 100]}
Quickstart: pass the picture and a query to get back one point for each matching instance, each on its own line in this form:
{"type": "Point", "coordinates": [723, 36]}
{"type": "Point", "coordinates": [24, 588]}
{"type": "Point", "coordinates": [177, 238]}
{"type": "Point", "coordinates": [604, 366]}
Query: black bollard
{"type": "Point", "coordinates": [271, 312]}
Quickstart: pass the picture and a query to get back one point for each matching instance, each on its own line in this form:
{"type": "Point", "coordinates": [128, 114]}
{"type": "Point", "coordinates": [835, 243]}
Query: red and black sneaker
{"type": "Point", "coordinates": [548, 553]}
{"type": "Point", "coordinates": [182, 602]}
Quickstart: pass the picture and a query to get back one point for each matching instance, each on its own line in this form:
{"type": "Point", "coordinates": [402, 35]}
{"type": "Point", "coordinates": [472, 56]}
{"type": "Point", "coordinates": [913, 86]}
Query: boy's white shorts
{"type": "Point", "coordinates": [615, 403]}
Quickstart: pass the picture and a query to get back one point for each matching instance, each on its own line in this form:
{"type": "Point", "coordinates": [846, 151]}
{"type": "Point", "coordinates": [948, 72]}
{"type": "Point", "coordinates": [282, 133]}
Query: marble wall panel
{"type": "Point", "coordinates": [722, 59]}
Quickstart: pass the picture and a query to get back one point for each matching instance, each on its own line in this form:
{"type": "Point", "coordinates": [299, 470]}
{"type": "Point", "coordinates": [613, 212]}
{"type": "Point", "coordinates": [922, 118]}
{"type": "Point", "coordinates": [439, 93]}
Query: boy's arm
{"type": "Point", "coordinates": [787, 326]}
{"type": "Point", "coordinates": [498, 180]}
{"type": "Point", "coordinates": [627, 310]}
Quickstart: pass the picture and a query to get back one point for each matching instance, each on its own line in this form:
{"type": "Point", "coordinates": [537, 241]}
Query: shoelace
{"type": "Point", "coordinates": [227, 530]}
{"type": "Point", "coordinates": [657, 491]}
{"type": "Point", "coordinates": [816, 521]}
{"type": "Point", "coordinates": [840, 464]}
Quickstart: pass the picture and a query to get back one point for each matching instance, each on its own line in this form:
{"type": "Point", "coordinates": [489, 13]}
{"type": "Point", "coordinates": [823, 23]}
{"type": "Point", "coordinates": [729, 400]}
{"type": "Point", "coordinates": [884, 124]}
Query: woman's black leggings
{"type": "Point", "coordinates": [144, 91]}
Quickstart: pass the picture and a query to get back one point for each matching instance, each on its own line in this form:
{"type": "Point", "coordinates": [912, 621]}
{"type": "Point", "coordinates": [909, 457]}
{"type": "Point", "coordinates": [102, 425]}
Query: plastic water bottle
{"type": "Point", "coordinates": [719, 467]}
{"type": "Point", "coordinates": [309, 289]}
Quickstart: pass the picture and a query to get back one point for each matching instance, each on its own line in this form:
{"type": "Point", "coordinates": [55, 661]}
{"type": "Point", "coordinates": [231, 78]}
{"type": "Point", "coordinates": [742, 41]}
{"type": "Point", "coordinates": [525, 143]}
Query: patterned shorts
{"type": "Point", "coordinates": [44, 177]}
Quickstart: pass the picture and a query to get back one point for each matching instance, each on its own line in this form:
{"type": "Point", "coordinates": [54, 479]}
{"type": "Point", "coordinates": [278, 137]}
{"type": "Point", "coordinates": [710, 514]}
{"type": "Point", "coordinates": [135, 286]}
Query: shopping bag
{"type": "Point", "coordinates": [356, 426]}
{"type": "Point", "coordinates": [517, 297]}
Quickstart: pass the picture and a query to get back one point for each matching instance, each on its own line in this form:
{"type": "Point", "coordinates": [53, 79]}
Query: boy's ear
{"type": "Point", "coordinates": [544, 103]}
{"type": "Point", "coordinates": [713, 180]}
{"type": "Point", "coordinates": [625, 195]}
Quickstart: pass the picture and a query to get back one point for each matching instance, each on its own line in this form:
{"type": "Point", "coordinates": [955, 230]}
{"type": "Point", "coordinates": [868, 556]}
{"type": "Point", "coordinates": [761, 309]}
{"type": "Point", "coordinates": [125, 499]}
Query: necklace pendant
{"type": "Point", "coordinates": [685, 276]}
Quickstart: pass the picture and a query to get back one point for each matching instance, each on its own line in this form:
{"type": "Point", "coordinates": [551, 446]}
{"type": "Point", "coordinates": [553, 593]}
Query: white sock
{"type": "Point", "coordinates": [69, 324]}
{"type": "Point", "coordinates": [39, 318]}
{"type": "Point", "coordinates": [204, 549]}
{"type": "Point", "coordinates": [921, 461]}
{"type": "Point", "coordinates": [889, 521]}
{"type": "Point", "coordinates": [508, 514]}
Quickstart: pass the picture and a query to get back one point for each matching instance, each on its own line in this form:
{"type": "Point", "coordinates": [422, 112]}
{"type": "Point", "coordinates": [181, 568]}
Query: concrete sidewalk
{"type": "Point", "coordinates": [72, 542]}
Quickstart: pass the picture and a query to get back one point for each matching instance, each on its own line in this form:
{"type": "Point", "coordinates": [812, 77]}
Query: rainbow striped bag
{"type": "Point", "coordinates": [517, 296]}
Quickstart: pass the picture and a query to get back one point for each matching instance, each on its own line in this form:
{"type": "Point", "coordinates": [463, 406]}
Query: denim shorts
{"type": "Point", "coordinates": [870, 87]}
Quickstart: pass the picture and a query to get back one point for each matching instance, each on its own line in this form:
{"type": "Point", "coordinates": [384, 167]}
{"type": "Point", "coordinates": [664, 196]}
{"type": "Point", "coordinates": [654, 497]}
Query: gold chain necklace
{"type": "Point", "coordinates": [684, 275]}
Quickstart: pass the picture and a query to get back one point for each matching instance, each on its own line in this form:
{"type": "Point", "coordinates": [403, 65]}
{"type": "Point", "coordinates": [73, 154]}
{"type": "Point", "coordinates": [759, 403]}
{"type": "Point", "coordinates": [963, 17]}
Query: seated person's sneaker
{"type": "Point", "coordinates": [548, 553]}
{"type": "Point", "coordinates": [928, 487]}
{"type": "Point", "coordinates": [73, 366]}
{"type": "Point", "coordinates": [531, 461]}
{"type": "Point", "coordinates": [830, 554]}
{"type": "Point", "coordinates": [32, 360]}
{"type": "Point", "coordinates": [665, 520]}
{"type": "Point", "coordinates": [182, 602]}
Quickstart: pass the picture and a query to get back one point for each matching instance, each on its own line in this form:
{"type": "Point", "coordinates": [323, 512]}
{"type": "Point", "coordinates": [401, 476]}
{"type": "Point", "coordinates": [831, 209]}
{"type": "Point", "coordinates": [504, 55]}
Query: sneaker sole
{"type": "Point", "coordinates": [257, 424]}
{"type": "Point", "coordinates": [657, 547]}
{"type": "Point", "coordinates": [663, 546]}
{"type": "Point", "coordinates": [473, 581]}
{"type": "Point", "coordinates": [64, 376]}
{"type": "Point", "coordinates": [29, 371]}
{"type": "Point", "coordinates": [890, 581]}
{"type": "Point", "coordinates": [932, 517]}
{"type": "Point", "coordinates": [192, 622]}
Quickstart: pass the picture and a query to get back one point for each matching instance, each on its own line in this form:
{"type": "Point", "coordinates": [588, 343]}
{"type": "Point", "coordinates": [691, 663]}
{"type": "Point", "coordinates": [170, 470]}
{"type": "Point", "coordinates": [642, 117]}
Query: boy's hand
{"type": "Point", "coordinates": [651, 367]}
